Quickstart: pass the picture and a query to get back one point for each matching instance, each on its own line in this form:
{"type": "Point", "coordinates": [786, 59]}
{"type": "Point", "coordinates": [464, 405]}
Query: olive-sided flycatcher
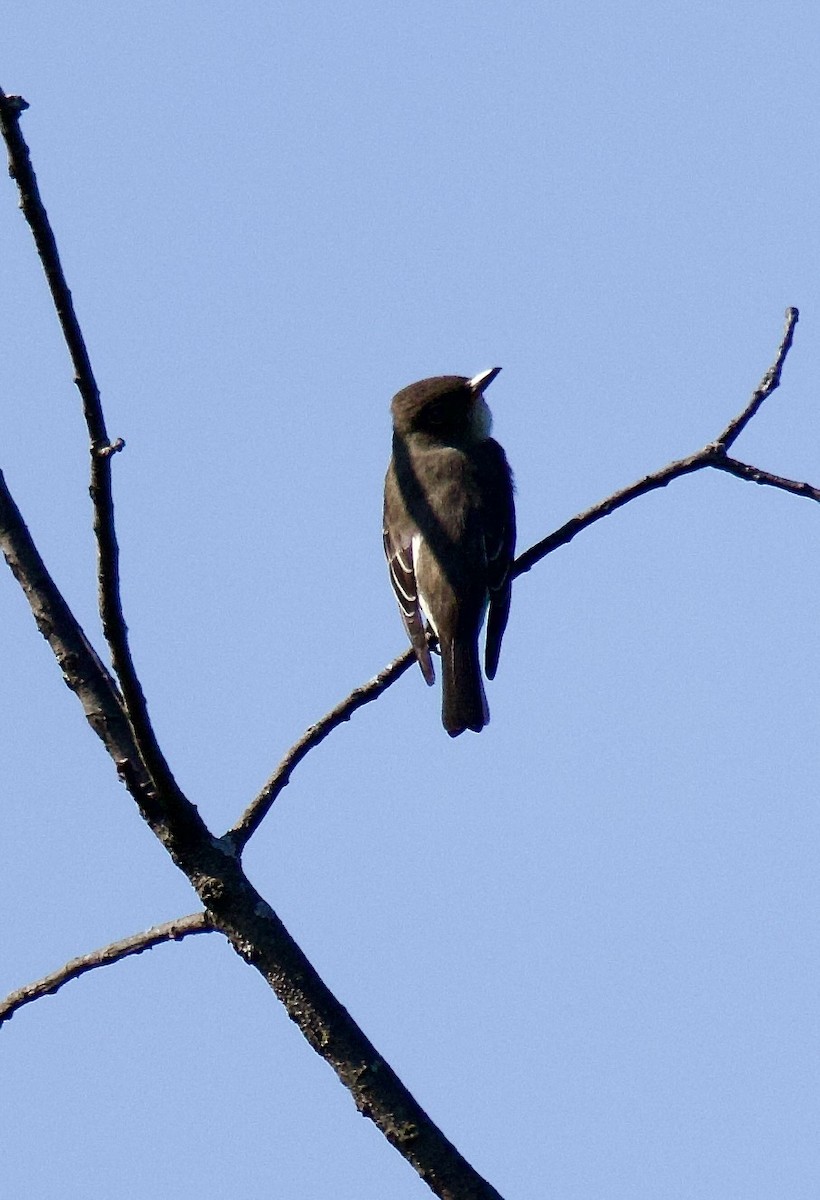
{"type": "Point", "coordinates": [449, 535]}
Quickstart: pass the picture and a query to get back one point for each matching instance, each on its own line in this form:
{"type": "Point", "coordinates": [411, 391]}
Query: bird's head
{"type": "Point", "coordinates": [447, 408]}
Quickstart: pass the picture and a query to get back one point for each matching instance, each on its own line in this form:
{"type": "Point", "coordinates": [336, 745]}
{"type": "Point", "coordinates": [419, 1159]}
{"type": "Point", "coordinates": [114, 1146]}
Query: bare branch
{"type": "Point", "coordinates": [709, 456]}
{"type": "Point", "coordinates": [712, 455]}
{"type": "Point", "coordinates": [82, 670]}
{"type": "Point", "coordinates": [173, 818]}
{"type": "Point", "coordinates": [756, 475]}
{"type": "Point", "coordinates": [650, 483]}
{"type": "Point", "coordinates": [769, 383]}
{"type": "Point", "coordinates": [256, 812]}
{"type": "Point", "coordinates": [171, 931]}
{"type": "Point", "coordinates": [102, 449]}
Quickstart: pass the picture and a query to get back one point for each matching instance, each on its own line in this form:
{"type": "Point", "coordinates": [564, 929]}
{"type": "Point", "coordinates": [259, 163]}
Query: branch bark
{"type": "Point", "coordinates": [101, 448]}
{"type": "Point", "coordinates": [137, 943]}
{"type": "Point", "coordinates": [241, 833]}
{"type": "Point", "coordinates": [769, 383]}
{"type": "Point", "coordinates": [714, 454]}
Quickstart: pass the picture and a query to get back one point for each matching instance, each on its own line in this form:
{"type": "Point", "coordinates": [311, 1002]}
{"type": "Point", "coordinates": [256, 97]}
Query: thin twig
{"type": "Point", "coordinates": [769, 383]}
{"type": "Point", "coordinates": [709, 456]}
{"type": "Point", "coordinates": [712, 455]}
{"type": "Point", "coordinates": [650, 483]}
{"type": "Point", "coordinates": [258, 809]}
{"type": "Point", "coordinates": [102, 449]}
{"type": "Point", "coordinates": [755, 475]}
{"type": "Point", "coordinates": [171, 931]}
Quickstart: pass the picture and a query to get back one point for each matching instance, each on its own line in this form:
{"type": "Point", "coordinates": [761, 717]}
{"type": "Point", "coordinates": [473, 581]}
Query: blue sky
{"type": "Point", "coordinates": [587, 939]}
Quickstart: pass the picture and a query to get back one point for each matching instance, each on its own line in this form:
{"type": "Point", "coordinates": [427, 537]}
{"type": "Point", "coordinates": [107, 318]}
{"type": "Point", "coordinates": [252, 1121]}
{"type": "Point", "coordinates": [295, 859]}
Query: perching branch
{"type": "Point", "coordinates": [171, 931]}
{"type": "Point", "coordinates": [712, 455]}
{"type": "Point", "coordinates": [241, 833]}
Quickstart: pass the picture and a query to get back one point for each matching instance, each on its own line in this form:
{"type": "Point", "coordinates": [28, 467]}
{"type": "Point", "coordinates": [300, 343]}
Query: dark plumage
{"type": "Point", "coordinates": [449, 535]}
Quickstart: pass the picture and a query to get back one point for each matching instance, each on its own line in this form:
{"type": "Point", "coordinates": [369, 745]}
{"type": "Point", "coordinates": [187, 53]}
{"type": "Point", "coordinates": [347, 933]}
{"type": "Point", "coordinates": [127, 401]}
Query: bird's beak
{"type": "Point", "coordinates": [483, 380]}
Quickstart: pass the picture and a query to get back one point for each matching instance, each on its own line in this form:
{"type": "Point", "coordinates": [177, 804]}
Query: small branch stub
{"type": "Point", "coordinates": [110, 448]}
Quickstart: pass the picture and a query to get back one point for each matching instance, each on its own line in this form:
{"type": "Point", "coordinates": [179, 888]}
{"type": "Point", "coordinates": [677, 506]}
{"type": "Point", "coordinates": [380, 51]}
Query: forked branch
{"type": "Point", "coordinates": [101, 448]}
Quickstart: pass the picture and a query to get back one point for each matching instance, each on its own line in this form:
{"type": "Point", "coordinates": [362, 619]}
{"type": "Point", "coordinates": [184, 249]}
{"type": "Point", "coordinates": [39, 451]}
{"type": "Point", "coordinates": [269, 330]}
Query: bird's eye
{"type": "Point", "coordinates": [435, 413]}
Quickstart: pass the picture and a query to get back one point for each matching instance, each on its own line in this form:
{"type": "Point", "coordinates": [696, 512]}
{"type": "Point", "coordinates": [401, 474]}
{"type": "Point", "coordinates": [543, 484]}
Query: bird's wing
{"type": "Point", "coordinates": [403, 581]}
{"type": "Point", "coordinates": [499, 547]}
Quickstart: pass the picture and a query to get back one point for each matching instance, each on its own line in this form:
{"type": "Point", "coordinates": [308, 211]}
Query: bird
{"type": "Point", "coordinates": [449, 535]}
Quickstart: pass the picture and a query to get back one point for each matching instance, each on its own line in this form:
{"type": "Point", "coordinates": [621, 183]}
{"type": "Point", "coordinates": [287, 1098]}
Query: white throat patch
{"type": "Point", "coordinates": [481, 421]}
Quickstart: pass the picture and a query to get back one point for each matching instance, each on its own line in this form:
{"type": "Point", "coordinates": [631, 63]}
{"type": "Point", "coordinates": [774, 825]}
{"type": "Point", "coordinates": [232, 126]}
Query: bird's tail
{"type": "Point", "coordinates": [463, 703]}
